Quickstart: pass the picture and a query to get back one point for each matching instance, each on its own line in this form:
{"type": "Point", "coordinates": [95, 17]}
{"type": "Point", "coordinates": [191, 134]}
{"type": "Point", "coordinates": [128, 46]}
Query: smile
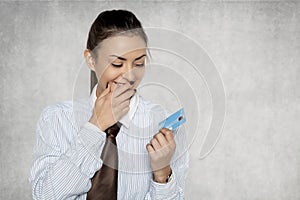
{"type": "Point", "coordinates": [130, 82]}
{"type": "Point", "coordinates": [117, 83]}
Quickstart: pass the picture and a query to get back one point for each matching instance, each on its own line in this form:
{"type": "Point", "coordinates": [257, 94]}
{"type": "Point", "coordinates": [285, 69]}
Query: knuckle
{"type": "Point", "coordinates": [126, 109]}
{"type": "Point", "coordinates": [166, 130]}
{"type": "Point", "coordinates": [163, 130]}
{"type": "Point", "coordinates": [170, 134]}
{"type": "Point", "coordinates": [152, 141]}
{"type": "Point", "coordinates": [158, 134]}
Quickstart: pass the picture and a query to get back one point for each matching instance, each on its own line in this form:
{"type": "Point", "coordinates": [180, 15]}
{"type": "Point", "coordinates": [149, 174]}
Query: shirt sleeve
{"type": "Point", "coordinates": [64, 162]}
{"type": "Point", "coordinates": [174, 189]}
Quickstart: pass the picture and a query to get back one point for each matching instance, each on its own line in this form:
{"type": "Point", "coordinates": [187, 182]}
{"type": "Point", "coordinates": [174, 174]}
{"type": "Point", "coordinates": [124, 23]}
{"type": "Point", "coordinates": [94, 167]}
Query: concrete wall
{"type": "Point", "coordinates": [255, 46]}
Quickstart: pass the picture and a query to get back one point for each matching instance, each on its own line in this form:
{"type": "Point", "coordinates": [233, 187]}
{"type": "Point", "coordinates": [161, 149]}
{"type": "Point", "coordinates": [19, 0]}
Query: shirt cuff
{"type": "Point", "coordinates": [162, 190]}
{"type": "Point", "coordinates": [92, 138]}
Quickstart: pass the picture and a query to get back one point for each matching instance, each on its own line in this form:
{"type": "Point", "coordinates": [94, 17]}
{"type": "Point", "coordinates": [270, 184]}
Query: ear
{"type": "Point", "coordinates": [89, 59]}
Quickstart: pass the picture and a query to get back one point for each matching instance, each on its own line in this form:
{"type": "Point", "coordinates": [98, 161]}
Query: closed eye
{"type": "Point", "coordinates": [140, 65]}
{"type": "Point", "coordinates": [117, 65]}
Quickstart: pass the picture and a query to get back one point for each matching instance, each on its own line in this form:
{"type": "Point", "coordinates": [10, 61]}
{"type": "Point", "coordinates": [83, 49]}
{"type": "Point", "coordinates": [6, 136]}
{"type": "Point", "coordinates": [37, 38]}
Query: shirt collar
{"type": "Point", "coordinates": [125, 120]}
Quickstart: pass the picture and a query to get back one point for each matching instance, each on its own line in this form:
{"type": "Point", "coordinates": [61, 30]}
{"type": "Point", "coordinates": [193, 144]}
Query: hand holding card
{"type": "Point", "coordinates": [162, 146]}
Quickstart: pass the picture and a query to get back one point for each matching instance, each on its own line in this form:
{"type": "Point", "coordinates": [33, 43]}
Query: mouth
{"type": "Point", "coordinates": [121, 83]}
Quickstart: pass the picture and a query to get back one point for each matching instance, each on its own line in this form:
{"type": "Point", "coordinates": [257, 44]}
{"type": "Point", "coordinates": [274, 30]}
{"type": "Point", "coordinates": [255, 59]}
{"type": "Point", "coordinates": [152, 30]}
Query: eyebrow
{"type": "Point", "coordinates": [121, 58]}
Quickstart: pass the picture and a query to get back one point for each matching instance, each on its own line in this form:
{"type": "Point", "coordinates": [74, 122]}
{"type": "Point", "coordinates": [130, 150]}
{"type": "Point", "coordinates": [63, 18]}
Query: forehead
{"type": "Point", "coordinates": [122, 45]}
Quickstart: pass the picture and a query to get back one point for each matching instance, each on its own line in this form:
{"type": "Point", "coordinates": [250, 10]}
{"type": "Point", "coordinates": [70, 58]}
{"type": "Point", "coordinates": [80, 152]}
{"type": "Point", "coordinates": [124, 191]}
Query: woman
{"type": "Point", "coordinates": [151, 163]}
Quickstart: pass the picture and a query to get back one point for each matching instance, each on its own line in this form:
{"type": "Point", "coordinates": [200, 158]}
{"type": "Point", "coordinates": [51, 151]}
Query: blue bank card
{"type": "Point", "coordinates": [173, 121]}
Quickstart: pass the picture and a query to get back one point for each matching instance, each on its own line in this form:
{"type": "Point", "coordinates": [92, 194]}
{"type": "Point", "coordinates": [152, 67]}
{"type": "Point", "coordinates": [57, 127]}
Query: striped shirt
{"type": "Point", "coordinates": [68, 148]}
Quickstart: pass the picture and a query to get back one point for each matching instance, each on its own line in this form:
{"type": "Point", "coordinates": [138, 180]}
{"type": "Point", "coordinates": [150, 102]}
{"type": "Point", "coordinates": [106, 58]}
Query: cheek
{"type": "Point", "coordinates": [139, 74]}
{"type": "Point", "coordinates": [109, 74]}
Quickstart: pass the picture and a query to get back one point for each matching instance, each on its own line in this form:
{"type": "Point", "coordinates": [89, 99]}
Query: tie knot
{"type": "Point", "coordinates": [113, 130]}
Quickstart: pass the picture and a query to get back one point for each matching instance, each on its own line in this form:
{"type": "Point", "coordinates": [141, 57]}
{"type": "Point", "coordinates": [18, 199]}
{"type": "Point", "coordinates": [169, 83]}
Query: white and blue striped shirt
{"type": "Point", "coordinates": [68, 149]}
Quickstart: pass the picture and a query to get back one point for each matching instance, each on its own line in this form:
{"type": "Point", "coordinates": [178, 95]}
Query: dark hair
{"type": "Point", "coordinates": [110, 23]}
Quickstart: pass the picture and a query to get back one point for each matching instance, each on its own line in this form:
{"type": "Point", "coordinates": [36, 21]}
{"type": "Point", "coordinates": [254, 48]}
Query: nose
{"type": "Point", "coordinates": [128, 74]}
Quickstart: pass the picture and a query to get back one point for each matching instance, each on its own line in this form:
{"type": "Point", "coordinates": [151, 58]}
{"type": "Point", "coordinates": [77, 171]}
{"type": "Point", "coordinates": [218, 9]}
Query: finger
{"type": "Point", "coordinates": [106, 91]}
{"type": "Point", "coordinates": [120, 114]}
{"type": "Point", "coordinates": [121, 89]}
{"type": "Point", "coordinates": [161, 139]}
{"type": "Point", "coordinates": [125, 96]}
{"type": "Point", "coordinates": [149, 148]}
{"type": "Point", "coordinates": [155, 144]}
{"type": "Point", "coordinates": [168, 134]}
{"type": "Point", "coordinates": [125, 110]}
{"type": "Point", "coordinates": [122, 105]}
{"type": "Point", "coordinates": [121, 109]}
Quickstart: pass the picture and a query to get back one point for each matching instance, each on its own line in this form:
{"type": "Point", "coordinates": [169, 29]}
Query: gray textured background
{"type": "Point", "coordinates": [255, 46]}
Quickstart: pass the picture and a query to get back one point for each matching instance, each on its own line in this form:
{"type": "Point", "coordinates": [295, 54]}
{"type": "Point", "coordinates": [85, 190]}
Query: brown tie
{"type": "Point", "coordinates": [105, 180]}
